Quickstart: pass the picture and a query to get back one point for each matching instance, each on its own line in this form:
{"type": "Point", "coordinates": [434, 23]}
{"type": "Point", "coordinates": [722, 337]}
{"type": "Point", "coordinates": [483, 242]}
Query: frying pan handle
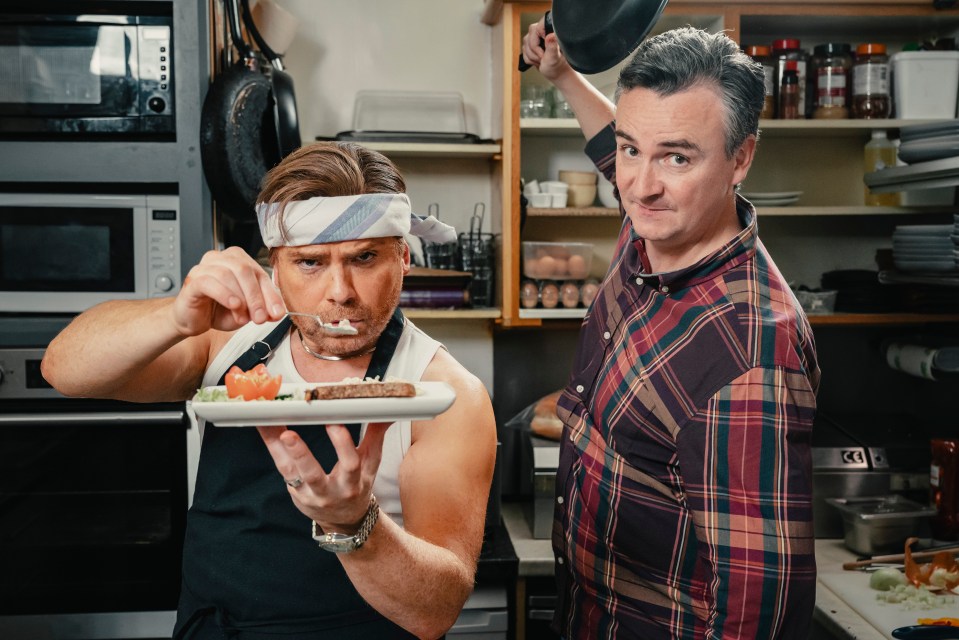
{"type": "Point", "coordinates": [926, 632]}
{"type": "Point", "coordinates": [271, 55]}
{"type": "Point", "coordinates": [234, 21]}
{"type": "Point", "coordinates": [523, 65]}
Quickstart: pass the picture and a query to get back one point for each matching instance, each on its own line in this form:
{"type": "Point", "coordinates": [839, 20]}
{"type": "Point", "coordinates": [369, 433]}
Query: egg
{"type": "Point", "coordinates": [589, 291]}
{"type": "Point", "coordinates": [532, 268]}
{"type": "Point", "coordinates": [561, 267]}
{"type": "Point", "coordinates": [550, 295]}
{"type": "Point", "coordinates": [569, 295]}
{"type": "Point", "coordinates": [547, 267]}
{"type": "Point", "coordinates": [577, 267]}
{"type": "Point", "coordinates": [529, 294]}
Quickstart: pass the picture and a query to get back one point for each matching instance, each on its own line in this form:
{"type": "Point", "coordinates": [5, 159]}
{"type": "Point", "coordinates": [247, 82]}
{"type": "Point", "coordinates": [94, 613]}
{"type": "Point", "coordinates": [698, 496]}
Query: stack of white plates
{"type": "Point", "coordinates": [927, 142]}
{"type": "Point", "coordinates": [772, 198]}
{"type": "Point", "coordinates": [925, 247]}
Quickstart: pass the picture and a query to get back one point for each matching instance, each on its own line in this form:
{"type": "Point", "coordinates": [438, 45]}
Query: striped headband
{"type": "Point", "coordinates": [322, 220]}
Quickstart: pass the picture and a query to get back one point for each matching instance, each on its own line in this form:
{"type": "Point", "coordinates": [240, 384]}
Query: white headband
{"type": "Point", "coordinates": [372, 215]}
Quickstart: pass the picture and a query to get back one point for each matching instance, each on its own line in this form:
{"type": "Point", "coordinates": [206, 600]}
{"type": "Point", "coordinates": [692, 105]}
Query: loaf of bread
{"type": "Point", "coordinates": [367, 389]}
{"type": "Point", "coordinates": [545, 422]}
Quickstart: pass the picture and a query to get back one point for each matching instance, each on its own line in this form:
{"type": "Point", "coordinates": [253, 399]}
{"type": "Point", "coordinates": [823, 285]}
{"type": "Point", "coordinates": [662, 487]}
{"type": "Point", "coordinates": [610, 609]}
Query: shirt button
{"type": "Point", "coordinates": [665, 289]}
{"type": "Point", "coordinates": [580, 388]}
{"type": "Point", "coordinates": [606, 335]}
{"type": "Point", "coordinates": [559, 500]}
{"type": "Point", "coordinates": [639, 281]}
{"type": "Point", "coordinates": [559, 560]}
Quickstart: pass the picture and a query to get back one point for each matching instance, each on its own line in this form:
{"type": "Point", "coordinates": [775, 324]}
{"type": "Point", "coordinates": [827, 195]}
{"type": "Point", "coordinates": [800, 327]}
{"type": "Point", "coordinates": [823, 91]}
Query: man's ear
{"type": "Point", "coordinates": [406, 258]}
{"type": "Point", "coordinates": [744, 159]}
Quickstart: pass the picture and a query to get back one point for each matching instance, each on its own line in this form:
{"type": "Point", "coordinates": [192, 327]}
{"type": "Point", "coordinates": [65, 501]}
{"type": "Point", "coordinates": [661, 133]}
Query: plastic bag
{"type": "Point", "coordinates": [540, 418]}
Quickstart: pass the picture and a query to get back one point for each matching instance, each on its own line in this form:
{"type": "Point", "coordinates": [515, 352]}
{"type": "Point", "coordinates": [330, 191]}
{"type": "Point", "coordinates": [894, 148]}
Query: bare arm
{"type": "Point", "coordinates": [593, 110]}
{"type": "Point", "coordinates": [418, 576]}
{"type": "Point", "coordinates": [157, 350]}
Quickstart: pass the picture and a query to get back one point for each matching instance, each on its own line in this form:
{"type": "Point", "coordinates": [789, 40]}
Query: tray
{"type": "Point", "coordinates": [432, 399]}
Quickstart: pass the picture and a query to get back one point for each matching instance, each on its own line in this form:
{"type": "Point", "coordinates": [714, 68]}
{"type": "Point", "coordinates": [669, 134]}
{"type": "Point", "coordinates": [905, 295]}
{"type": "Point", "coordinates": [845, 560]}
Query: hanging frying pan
{"type": "Point", "coordinates": [598, 35]}
{"type": "Point", "coordinates": [284, 100]}
{"type": "Point", "coordinates": [237, 140]}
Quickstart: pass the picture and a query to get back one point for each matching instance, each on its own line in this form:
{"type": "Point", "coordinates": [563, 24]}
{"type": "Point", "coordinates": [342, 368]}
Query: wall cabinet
{"type": "Point", "coordinates": [829, 228]}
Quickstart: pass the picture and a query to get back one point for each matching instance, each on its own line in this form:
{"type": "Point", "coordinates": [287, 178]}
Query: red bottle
{"type": "Point", "coordinates": [944, 489]}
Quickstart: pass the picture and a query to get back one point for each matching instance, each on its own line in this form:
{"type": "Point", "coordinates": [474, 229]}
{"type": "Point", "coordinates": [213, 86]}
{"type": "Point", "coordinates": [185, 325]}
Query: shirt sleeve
{"type": "Point", "coordinates": [601, 149]}
{"type": "Point", "coordinates": [747, 475]}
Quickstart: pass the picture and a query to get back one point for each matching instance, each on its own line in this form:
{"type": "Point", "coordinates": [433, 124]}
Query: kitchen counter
{"type": "Point", "coordinates": [834, 617]}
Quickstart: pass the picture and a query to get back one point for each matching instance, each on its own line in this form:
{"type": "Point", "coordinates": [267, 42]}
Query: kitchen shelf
{"type": "Point", "coordinates": [778, 128]}
{"type": "Point", "coordinates": [572, 212]}
{"type": "Point", "coordinates": [921, 175]}
{"type": "Point", "coordinates": [824, 320]}
{"type": "Point", "coordinates": [452, 314]}
{"type": "Point", "coordinates": [860, 210]}
{"type": "Point", "coordinates": [434, 149]}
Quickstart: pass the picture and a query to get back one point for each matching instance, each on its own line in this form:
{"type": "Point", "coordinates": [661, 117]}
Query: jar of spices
{"type": "Point", "coordinates": [762, 55]}
{"type": "Point", "coordinates": [870, 82]}
{"type": "Point", "coordinates": [832, 63]}
{"type": "Point", "coordinates": [944, 488]}
{"type": "Point", "coordinates": [788, 50]}
{"type": "Point", "coordinates": [789, 93]}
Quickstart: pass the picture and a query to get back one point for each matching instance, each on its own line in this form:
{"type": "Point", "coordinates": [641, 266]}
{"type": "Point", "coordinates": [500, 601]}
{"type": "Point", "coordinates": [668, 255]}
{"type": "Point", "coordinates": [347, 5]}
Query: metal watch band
{"type": "Point", "coordinates": [342, 543]}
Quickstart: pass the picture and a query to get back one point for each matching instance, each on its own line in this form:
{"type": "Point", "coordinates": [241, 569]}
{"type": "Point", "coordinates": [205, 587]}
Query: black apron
{"type": "Point", "coordinates": [251, 569]}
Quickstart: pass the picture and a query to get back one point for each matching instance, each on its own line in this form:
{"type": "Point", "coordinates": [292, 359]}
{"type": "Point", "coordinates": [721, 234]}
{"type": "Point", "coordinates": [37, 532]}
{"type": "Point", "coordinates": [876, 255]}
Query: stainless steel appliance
{"type": "Point", "coordinates": [542, 464]}
{"type": "Point", "coordinates": [86, 67]}
{"type": "Point", "coordinates": [93, 501]}
{"type": "Point", "coordinates": [63, 253]}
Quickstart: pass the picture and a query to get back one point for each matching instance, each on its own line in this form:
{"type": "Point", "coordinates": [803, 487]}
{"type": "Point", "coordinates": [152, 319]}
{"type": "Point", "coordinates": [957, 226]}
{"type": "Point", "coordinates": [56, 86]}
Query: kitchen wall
{"type": "Point", "coordinates": [345, 46]}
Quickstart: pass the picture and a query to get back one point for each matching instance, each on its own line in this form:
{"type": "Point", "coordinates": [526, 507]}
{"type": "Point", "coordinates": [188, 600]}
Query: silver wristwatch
{"type": "Point", "coordinates": [343, 543]}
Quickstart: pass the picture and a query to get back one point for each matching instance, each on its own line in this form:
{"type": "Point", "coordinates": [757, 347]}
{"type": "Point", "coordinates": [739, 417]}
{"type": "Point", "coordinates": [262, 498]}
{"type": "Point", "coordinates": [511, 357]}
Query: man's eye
{"type": "Point", "coordinates": [677, 160]}
{"type": "Point", "coordinates": [629, 151]}
{"type": "Point", "coordinates": [307, 263]}
{"type": "Point", "coordinates": [366, 256]}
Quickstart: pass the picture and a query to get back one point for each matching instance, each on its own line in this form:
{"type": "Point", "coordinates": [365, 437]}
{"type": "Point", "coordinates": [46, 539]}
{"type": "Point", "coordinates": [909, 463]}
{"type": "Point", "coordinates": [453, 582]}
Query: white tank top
{"type": "Point", "coordinates": [414, 352]}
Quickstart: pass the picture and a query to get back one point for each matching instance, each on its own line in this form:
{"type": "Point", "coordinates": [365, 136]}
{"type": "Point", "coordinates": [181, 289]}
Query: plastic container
{"type": "Point", "coordinates": [763, 55]}
{"type": "Point", "coordinates": [557, 260]}
{"type": "Point", "coordinates": [944, 488]}
{"type": "Point", "coordinates": [880, 524]}
{"type": "Point", "coordinates": [870, 82]}
{"type": "Point", "coordinates": [789, 50]}
{"type": "Point", "coordinates": [878, 154]}
{"type": "Point", "coordinates": [409, 111]}
{"type": "Point", "coordinates": [831, 64]}
{"type": "Point", "coordinates": [817, 302]}
{"type": "Point", "coordinates": [926, 83]}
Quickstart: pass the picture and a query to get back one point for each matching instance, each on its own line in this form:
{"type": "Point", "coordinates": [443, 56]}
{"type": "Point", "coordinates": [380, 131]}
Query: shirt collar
{"type": "Point", "coordinates": [738, 250]}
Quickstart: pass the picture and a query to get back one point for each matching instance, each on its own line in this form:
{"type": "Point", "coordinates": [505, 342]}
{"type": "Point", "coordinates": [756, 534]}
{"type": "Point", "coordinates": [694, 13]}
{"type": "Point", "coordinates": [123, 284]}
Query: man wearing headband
{"type": "Point", "coordinates": [399, 519]}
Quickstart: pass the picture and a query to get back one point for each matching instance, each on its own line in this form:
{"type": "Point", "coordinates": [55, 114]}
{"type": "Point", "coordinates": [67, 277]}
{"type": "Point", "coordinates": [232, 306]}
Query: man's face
{"type": "Point", "coordinates": [674, 179]}
{"type": "Point", "coordinates": [356, 280]}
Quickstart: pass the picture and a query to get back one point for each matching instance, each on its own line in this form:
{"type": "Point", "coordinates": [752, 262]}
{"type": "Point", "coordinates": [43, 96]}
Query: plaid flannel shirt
{"type": "Point", "coordinates": [684, 490]}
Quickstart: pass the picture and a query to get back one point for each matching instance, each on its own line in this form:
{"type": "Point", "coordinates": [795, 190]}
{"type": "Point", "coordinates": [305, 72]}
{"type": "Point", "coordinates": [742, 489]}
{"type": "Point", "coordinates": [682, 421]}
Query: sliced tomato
{"type": "Point", "coordinates": [253, 384]}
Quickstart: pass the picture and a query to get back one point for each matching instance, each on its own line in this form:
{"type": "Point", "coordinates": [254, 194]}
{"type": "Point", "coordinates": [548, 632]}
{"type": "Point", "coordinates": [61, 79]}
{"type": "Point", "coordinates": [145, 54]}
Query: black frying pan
{"type": "Point", "coordinates": [598, 35]}
{"type": "Point", "coordinates": [237, 140]}
{"type": "Point", "coordinates": [284, 99]}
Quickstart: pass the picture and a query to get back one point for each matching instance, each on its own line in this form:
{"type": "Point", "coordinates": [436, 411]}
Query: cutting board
{"type": "Point", "coordinates": [852, 587]}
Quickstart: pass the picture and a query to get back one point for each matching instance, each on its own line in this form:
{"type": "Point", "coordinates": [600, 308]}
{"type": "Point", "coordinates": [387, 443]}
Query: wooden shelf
{"type": "Point", "coordinates": [452, 314]}
{"type": "Point", "coordinates": [823, 320]}
{"type": "Point", "coordinates": [572, 212]}
{"type": "Point", "coordinates": [434, 150]}
{"type": "Point", "coordinates": [861, 210]}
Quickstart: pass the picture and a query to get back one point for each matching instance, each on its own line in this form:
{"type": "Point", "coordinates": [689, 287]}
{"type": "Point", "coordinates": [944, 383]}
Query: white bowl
{"type": "Point", "coordinates": [539, 200]}
{"type": "Point", "coordinates": [605, 191]}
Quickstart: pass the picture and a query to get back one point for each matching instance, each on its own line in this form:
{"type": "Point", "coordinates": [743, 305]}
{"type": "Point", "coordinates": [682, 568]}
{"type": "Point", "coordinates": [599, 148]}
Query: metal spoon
{"type": "Point", "coordinates": [329, 327]}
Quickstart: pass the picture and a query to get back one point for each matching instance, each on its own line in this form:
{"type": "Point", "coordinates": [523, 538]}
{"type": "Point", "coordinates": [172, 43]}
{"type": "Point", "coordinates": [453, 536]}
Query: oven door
{"type": "Point", "coordinates": [93, 501]}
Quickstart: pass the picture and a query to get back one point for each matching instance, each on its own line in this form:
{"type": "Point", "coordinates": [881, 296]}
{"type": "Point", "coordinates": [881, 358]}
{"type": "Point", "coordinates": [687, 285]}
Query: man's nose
{"type": "Point", "coordinates": [339, 284]}
{"type": "Point", "coordinates": [644, 181]}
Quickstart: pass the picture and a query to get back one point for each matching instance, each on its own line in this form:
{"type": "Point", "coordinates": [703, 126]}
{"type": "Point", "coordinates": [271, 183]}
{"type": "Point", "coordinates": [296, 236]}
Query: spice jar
{"type": "Point", "coordinates": [870, 82]}
{"type": "Point", "coordinates": [831, 63]}
{"type": "Point", "coordinates": [788, 50]}
{"type": "Point", "coordinates": [789, 99]}
{"type": "Point", "coordinates": [762, 55]}
{"type": "Point", "coordinates": [944, 488]}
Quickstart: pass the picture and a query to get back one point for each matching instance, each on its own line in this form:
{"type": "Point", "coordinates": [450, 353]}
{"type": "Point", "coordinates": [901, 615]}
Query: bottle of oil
{"type": "Point", "coordinates": [879, 154]}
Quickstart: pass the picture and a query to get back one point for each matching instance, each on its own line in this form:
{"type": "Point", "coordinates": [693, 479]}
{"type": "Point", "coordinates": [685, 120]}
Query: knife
{"type": "Point", "coordinates": [927, 632]}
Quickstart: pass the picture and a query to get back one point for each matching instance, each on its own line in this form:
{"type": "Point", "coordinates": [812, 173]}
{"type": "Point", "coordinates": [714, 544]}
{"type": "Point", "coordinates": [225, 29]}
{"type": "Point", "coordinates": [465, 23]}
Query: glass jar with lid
{"type": "Point", "coordinates": [870, 82]}
{"type": "Point", "coordinates": [789, 50]}
{"type": "Point", "coordinates": [831, 63]}
{"type": "Point", "coordinates": [762, 55]}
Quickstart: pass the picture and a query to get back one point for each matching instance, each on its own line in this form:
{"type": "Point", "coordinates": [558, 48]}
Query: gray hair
{"type": "Point", "coordinates": [682, 58]}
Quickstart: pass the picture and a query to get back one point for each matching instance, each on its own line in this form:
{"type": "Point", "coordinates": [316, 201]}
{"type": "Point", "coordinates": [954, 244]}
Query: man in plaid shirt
{"type": "Point", "coordinates": [684, 489]}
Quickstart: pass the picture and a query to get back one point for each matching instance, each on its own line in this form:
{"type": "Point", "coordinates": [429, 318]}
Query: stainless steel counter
{"type": "Point", "coordinates": [835, 619]}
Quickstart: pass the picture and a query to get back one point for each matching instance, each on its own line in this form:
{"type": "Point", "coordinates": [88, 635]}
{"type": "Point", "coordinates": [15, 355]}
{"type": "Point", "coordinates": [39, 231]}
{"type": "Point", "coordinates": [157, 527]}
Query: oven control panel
{"type": "Point", "coordinates": [163, 230]}
{"type": "Point", "coordinates": [20, 377]}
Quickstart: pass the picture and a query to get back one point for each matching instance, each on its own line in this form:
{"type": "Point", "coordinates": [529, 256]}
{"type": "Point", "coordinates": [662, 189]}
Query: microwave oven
{"type": "Point", "coordinates": [74, 68]}
{"type": "Point", "coordinates": [64, 253]}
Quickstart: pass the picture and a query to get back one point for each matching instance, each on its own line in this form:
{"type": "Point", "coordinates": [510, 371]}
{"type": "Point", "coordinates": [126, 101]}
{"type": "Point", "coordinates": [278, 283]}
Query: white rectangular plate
{"type": "Point", "coordinates": [431, 399]}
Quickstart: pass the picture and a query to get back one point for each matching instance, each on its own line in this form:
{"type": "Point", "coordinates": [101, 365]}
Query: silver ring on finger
{"type": "Point", "coordinates": [295, 482]}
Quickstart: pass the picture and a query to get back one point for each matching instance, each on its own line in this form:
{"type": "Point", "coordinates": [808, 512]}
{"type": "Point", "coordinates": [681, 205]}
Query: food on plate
{"type": "Point", "coordinates": [255, 384]}
{"type": "Point", "coordinates": [940, 622]}
{"type": "Point", "coordinates": [941, 573]}
{"type": "Point", "coordinates": [886, 578]}
{"type": "Point", "coordinates": [371, 388]}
